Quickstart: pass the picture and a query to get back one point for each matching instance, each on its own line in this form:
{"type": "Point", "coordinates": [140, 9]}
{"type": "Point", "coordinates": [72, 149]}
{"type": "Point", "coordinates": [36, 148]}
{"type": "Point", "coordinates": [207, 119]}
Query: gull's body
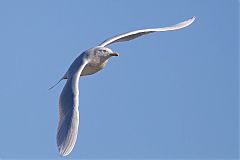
{"type": "Point", "coordinates": [89, 62]}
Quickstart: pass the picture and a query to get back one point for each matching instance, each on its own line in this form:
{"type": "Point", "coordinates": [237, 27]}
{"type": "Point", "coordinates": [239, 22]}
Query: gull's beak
{"type": "Point", "coordinates": [114, 54]}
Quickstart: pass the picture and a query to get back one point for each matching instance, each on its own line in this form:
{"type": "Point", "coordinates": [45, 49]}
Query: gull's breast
{"type": "Point", "coordinates": [89, 69]}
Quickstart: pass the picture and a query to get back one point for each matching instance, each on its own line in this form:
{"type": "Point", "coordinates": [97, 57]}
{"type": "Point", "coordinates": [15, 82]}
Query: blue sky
{"type": "Point", "coordinates": [168, 95]}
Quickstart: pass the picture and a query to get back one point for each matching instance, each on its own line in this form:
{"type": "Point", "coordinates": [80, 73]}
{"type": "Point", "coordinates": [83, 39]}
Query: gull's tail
{"type": "Point", "coordinates": [56, 83]}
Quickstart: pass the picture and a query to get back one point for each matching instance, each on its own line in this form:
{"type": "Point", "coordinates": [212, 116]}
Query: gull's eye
{"type": "Point", "coordinates": [103, 51]}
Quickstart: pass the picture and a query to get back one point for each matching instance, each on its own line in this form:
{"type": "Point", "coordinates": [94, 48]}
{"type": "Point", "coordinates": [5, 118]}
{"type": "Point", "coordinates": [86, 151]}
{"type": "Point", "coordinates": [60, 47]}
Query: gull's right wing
{"type": "Point", "coordinates": [68, 109]}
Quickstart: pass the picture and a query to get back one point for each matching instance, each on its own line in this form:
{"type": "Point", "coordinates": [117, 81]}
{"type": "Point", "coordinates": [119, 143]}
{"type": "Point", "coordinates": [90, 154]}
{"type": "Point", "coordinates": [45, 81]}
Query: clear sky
{"type": "Point", "coordinates": [168, 95]}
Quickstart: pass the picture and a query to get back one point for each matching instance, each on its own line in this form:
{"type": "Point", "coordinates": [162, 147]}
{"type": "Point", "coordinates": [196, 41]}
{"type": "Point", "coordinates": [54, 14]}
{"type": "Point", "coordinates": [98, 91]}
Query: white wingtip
{"type": "Point", "coordinates": [64, 152]}
{"type": "Point", "coordinates": [188, 22]}
{"type": "Point", "coordinates": [191, 20]}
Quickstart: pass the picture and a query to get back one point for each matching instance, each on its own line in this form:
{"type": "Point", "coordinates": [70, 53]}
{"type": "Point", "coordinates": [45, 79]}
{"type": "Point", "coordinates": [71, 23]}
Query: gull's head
{"type": "Point", "coordinates": [104, 52]}
{"type": "Point", "coordinates": [100, 55]}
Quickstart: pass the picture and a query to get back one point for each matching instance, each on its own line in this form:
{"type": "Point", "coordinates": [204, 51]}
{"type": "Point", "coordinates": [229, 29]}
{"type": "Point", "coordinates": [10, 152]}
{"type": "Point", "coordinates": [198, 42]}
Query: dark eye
{"type": "Point", "coordinates": [103, 51]}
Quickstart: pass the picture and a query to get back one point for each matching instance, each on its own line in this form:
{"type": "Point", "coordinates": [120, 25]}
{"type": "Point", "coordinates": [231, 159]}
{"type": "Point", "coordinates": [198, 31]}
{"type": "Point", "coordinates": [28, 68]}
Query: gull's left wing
{"type": "Point", "coordinates": [134, 34]}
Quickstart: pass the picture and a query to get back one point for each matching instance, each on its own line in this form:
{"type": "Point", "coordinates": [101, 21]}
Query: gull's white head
{"type": "Point", "coordinates": [103, 54]}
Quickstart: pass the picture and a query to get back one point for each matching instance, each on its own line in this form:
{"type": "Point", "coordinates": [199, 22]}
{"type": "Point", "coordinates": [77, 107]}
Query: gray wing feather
{"type": "Point", "coordinates": [134, 34]}
{"type": "Point", "coordinates": [68, 113]}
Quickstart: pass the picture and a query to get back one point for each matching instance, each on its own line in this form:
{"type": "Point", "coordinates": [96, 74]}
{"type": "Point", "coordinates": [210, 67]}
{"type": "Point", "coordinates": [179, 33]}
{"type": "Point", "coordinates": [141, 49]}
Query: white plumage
{"type": "Point", "coordinates": [89, 62]}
